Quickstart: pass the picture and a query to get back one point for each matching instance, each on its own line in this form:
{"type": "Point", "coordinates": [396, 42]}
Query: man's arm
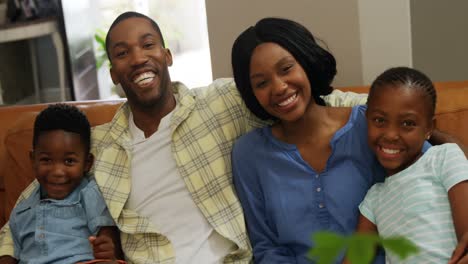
{"type": "Point", "coordinates": [438, 137]}
{"type": "Point", "coordinates": [6, 238]}
{"type": "Point", "coordinates": [6, 245]}
{"type": "Point", "coordinates": [345, 99]}
{"type": "Point", "coordinates": [349, 99]}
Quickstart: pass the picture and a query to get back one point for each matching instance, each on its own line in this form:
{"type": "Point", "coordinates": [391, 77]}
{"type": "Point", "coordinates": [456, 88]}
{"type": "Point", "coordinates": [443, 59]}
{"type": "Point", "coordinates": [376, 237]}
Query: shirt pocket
{"type": "Point", "coordinates": [69, 220]}
{"type": "Point", "coordinates": [68, 211]}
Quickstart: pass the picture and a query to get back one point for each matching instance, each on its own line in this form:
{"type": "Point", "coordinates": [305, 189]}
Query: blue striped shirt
{"type": "Point", "coordinates": [414, 203]}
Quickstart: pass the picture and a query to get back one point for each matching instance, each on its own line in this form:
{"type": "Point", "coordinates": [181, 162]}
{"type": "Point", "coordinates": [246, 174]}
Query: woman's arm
{"type": "Point", "coordinates": [438, 137]}
{"type": "Point", "coordinates": [266, 248]}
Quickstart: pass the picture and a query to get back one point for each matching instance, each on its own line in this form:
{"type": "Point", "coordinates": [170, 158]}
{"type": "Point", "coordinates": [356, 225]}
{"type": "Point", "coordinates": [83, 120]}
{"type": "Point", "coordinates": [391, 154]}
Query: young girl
{"type": "Point", "coordinates": [309, 170]}
{"type": "Point", "coordinates": [424, 197]}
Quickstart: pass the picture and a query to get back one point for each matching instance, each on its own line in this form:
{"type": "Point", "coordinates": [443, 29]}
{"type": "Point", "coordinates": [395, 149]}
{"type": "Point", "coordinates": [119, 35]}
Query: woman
{"type": "Point", "coordinates": [312, 167]}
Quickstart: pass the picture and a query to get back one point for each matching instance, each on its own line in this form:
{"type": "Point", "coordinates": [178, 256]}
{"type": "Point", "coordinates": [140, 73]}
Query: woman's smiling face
{"type": "Point", "coordinates": [279, 82]}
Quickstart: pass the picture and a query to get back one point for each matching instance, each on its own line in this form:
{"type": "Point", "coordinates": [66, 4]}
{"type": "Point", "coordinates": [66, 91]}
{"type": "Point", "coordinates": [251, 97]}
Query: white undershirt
{"type": "Point", "coordinates": [159, 193]}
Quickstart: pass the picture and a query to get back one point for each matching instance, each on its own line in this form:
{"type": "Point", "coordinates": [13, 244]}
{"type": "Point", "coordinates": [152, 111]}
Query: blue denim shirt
{"type": "Point", "coordinates": [57, 231]}
{"type": "Point", "coordinates": [285, 200]}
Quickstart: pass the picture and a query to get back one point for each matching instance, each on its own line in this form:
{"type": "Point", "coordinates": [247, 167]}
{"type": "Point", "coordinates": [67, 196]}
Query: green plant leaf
{"type": "Point", "coordinates": [328, 246]}
{"type": "Point", "coordinates": [99, 62]}
{"type": "Point", "coordinates": [361, 248]}
{"type": "Point", "coordinates": [400, 246]}
{"type": "Point", "coordinates": [100, 40]}
{"type": "Point", "coordinates": [101, 56]}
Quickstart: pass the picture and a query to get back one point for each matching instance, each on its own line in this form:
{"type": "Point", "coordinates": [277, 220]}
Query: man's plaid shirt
{"type": "Point", "coordinates": [204, 127]}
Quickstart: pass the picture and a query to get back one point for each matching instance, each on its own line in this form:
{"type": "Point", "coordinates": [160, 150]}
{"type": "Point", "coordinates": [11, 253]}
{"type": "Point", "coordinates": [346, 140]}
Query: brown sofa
{"type": "Point", "coordinates": [17, 121]}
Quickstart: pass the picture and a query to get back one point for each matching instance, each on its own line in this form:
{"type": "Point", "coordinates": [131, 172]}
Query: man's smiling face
{"type": "Point", "coordinates": [140, 62]}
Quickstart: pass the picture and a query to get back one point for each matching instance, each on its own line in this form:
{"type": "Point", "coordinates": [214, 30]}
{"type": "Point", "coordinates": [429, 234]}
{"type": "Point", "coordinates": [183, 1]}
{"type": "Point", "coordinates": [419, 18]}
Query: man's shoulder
{"type": "Point", "coordinates": [221, 95]}
{"type": "Point", "coordinates": [119, 122]}
{"type": "Point", "coordinates": [218, 87]}
{"type": "Point", "coordinates": [100, 130]}
{"type": "Point", "coordinates": [101, 134]}
{"type": "Point", "coordinates": [340, 98]}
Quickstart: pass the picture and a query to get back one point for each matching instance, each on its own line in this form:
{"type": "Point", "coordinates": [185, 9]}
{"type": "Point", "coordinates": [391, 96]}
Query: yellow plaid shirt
{"type": "Point", "coordinates": [204, 127]}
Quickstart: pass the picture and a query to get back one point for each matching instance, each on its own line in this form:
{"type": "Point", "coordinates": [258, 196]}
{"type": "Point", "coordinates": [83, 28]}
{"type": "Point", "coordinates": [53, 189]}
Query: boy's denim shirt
{"type": "Point", "coordinates": [57, 231]}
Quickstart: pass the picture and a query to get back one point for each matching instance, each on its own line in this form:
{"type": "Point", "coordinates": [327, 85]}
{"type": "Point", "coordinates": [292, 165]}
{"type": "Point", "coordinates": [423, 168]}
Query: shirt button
{"type": "Point", "coordinates": [321, 205]}
{"type": "Point", "coordinates": [41, 236]}
{"type": "Point", "coordinates": [317, 176]}
{"type": "Point", "coordinates": [319, 189]}
{"type": "Point", "coordinates": [41, 228]}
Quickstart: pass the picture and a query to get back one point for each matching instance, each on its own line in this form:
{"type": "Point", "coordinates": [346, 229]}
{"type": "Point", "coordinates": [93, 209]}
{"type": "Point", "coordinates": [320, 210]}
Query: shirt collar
{"type": "Point", "coordinates": [138, 135]}
{"type": "Point", "coordinates": [35, 198]}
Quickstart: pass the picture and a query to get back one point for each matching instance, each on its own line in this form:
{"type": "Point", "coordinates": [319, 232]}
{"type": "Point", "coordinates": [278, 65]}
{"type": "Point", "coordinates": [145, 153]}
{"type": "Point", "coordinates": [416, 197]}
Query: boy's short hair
{"type": "Point", "coordinates": [63, 117]}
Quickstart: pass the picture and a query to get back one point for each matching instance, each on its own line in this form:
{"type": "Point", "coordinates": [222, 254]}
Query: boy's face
{"type": "Point", "coordinates": [60, 162]}
{"type": "Point", "coordinates": [398, 122]}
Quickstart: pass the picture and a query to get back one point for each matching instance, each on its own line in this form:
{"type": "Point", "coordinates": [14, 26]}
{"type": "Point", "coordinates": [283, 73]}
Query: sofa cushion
{"type": "Point", "coordinates": [18, 165]}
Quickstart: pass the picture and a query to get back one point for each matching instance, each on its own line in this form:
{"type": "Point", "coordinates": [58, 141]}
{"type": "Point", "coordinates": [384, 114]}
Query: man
{"type": "Point", "coordinates": [163, 163]}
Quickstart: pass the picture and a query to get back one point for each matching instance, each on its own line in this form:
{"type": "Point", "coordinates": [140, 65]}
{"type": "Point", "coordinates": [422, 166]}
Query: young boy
{"type": "Point", "coordinates": [65, 220]}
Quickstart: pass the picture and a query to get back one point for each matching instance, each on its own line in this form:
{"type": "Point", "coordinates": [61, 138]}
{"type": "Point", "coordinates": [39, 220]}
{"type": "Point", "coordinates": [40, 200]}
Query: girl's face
{"type": "Point", "coordinates": [279, 82]}
{"type": "Point", "coordinates": [399, 122]}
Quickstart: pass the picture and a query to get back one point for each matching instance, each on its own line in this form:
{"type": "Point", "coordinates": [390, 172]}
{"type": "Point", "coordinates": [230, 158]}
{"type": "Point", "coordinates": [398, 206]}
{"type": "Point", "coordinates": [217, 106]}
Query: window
{"type": "Point", "coordinates": [183, 25]}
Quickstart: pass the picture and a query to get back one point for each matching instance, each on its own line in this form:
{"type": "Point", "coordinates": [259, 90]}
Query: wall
{"type": "Point", "coordinates": [334, 21]}
{"type": "Point", "coordinates": [440, 38]}
{"type": "Point", "coordinates": [366, 36]}
{"type": "Point", "coordinates": [385, 34]}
